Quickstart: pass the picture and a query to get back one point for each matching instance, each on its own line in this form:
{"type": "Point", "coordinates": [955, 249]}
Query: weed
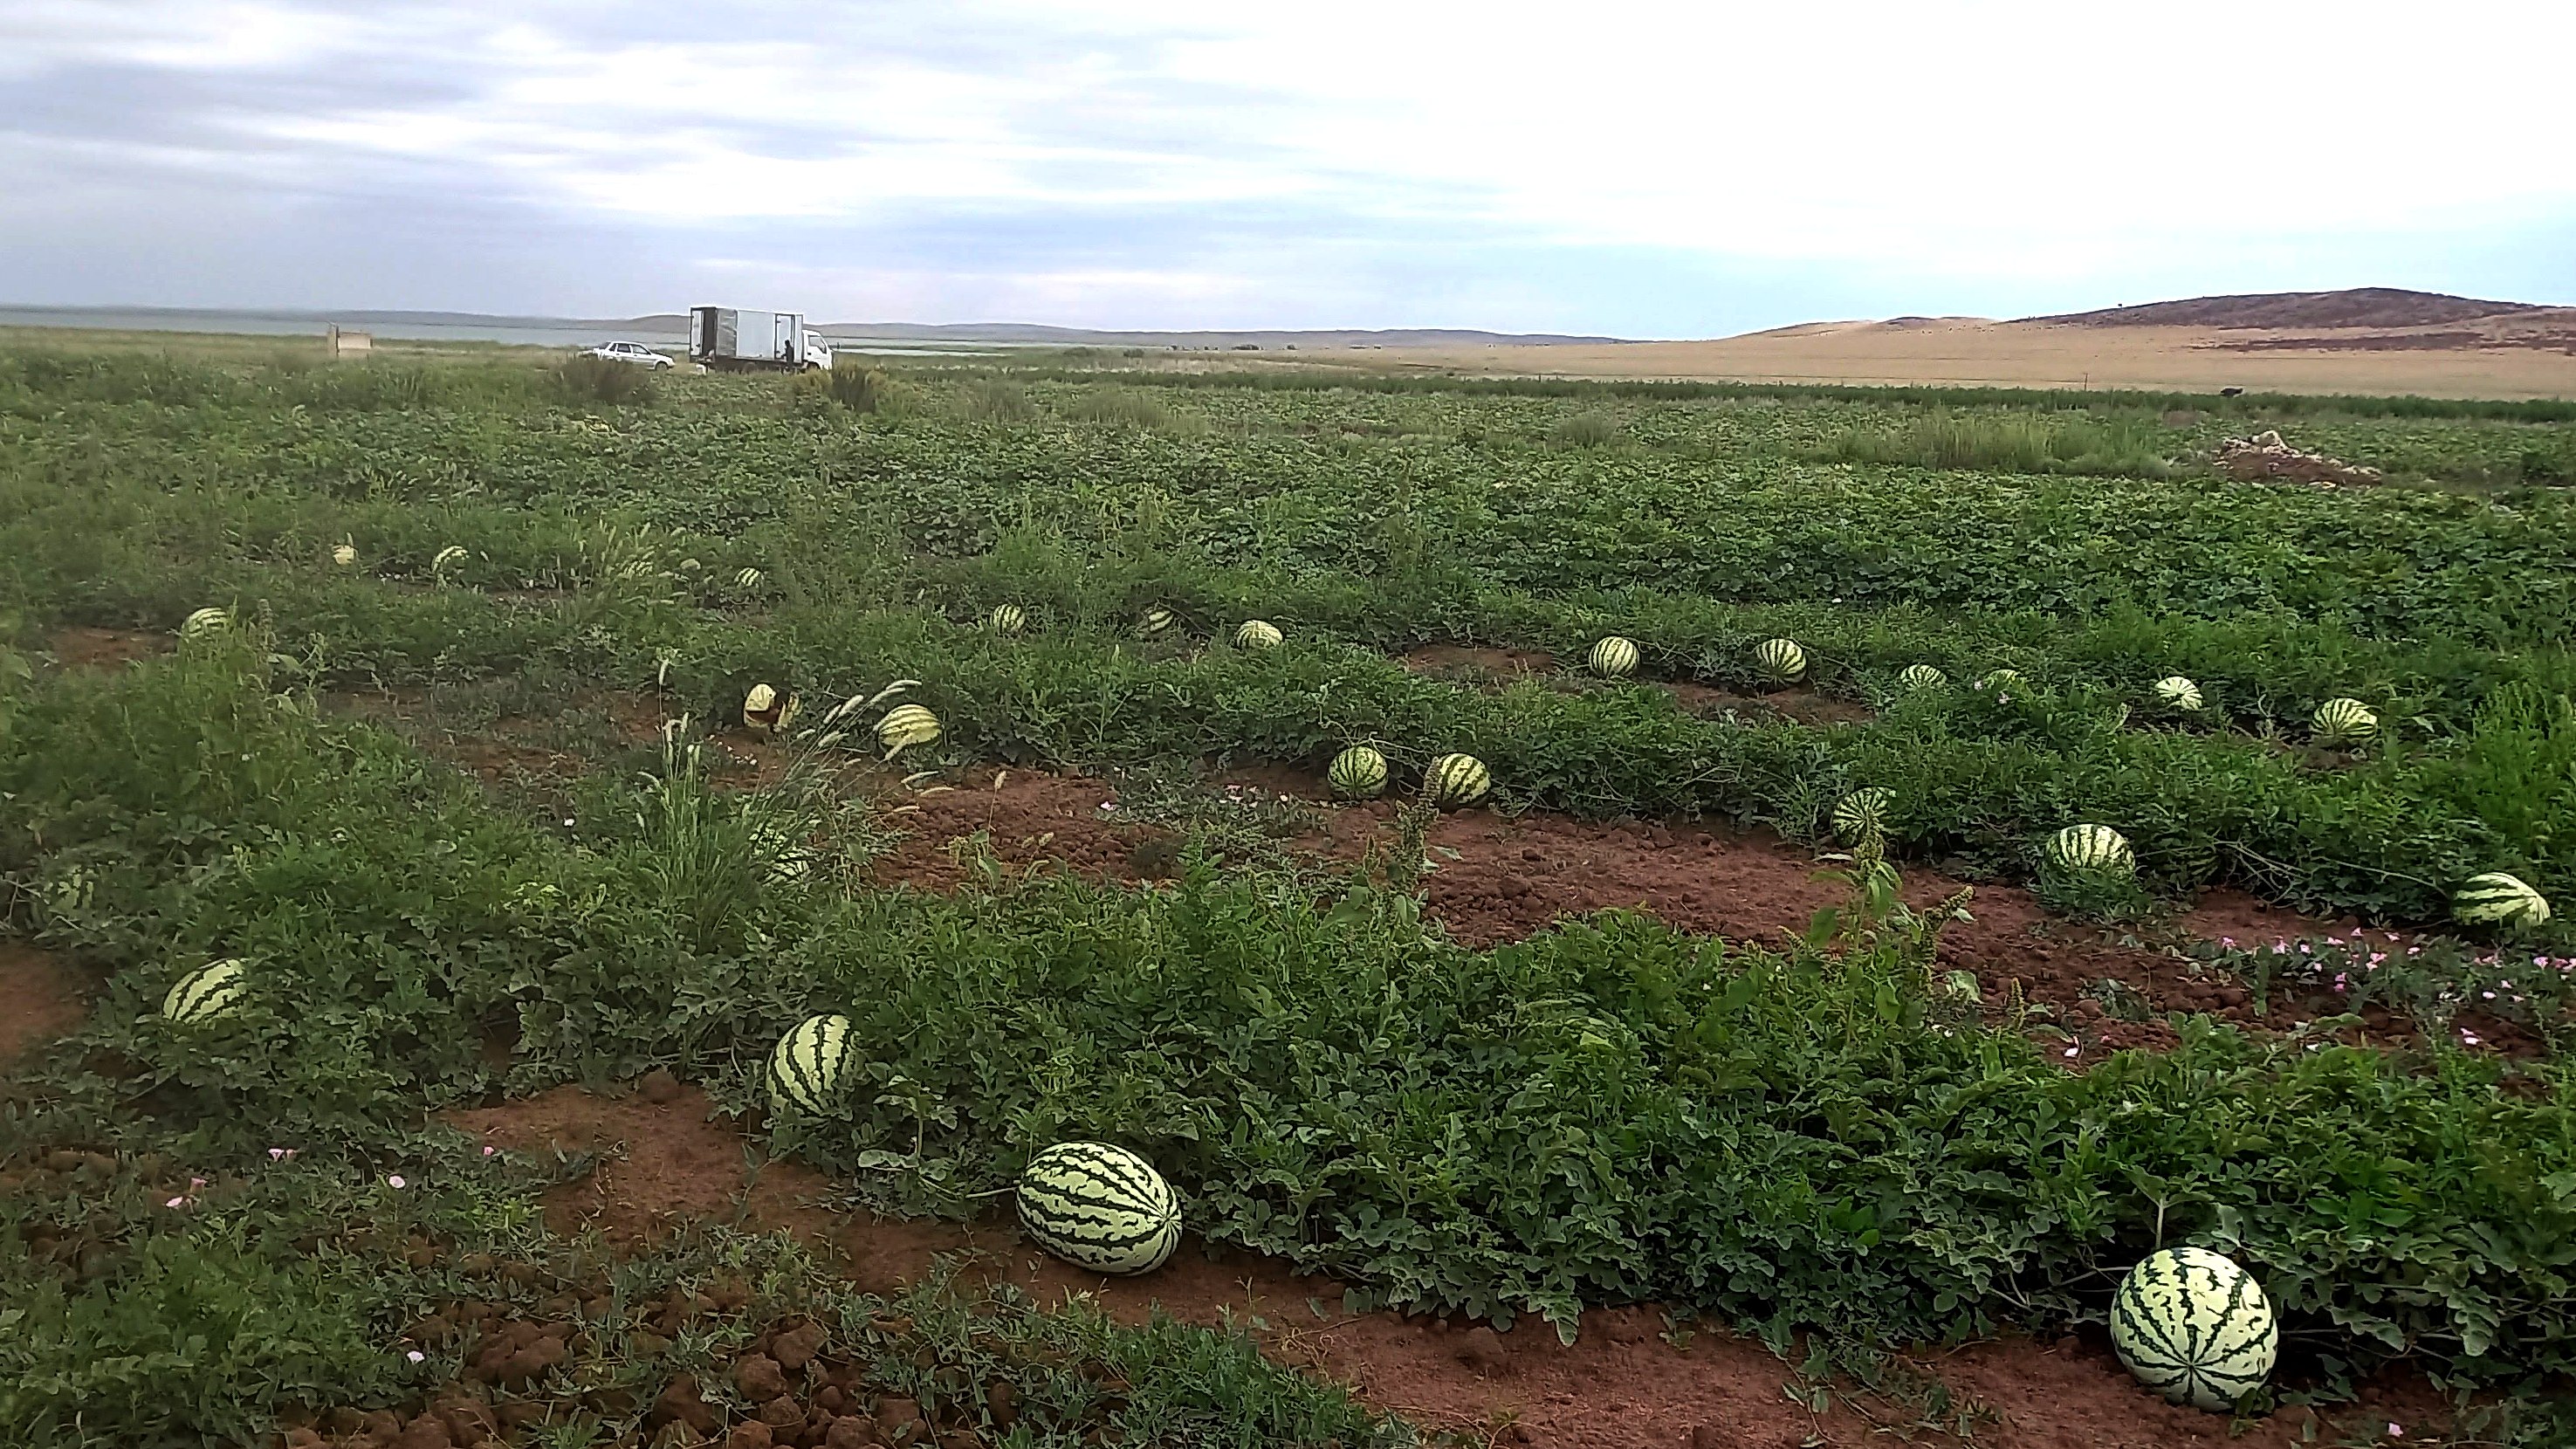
{"type": "Point", "coordinates": [587, 379]}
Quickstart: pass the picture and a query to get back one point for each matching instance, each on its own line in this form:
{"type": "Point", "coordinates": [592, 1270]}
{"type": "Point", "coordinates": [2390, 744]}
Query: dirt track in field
{"type": "Point", "coordinates": [665, 1162]}
{"type": "Point", "coordinates": [40, 999]}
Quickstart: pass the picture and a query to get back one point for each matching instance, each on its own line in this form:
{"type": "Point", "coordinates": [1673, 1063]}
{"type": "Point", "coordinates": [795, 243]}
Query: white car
{"type": "Point", "coordinates": [635, 352]}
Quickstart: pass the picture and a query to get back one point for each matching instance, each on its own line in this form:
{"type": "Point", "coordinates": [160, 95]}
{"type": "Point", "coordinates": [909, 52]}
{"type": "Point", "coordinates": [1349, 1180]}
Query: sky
{"type": "Point", "coordinates": [1641, 170]}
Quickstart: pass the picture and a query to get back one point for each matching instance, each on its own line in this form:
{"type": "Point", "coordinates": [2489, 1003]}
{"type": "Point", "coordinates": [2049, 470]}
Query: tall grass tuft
{"type": "Point", "coordinates": [588, 379]}
{"type": "Point", "coordinates": [2019, 443]}
{"type": "Point", "coordinates": [1587, 430]}
{"type": "Point", "coordinates": [997, 400]}
{"type": "Point", "coordinates": [1120, 407]}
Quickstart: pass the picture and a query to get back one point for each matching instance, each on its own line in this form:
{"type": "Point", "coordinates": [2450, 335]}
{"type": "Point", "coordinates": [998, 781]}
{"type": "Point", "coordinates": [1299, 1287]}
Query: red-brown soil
{"type": "Point", "coordinates": [1511, 878]}
{"type": "Point", "coordinates": [1626, 1381]}
{"type": "Point", "coordinates": [40, 999]}
{"type": "Point", "coordinates": [84, 648]}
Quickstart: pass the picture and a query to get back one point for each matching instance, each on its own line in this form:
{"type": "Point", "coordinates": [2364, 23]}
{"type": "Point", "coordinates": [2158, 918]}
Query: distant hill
{"type": "Point", "coordinates": [2352, 307]}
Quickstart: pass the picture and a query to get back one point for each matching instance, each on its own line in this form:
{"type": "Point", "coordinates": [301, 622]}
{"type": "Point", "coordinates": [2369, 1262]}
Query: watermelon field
{"type": "Point", "coordinates": [562, 908]}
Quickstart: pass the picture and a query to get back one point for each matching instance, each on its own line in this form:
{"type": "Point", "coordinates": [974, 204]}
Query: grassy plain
{"type": "Point", "coordinates": [1810, 1135]}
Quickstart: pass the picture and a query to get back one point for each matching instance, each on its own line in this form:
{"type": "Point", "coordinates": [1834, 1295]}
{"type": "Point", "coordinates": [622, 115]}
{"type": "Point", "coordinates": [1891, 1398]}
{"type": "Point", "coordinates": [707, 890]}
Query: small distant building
{"type": "Point", "coordinates": [341, 344]}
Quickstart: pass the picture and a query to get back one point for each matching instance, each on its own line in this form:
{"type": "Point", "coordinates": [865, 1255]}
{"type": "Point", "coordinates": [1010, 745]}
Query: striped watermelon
{"type": "Point", "coordinates": [1007, 619]}
{"type": "Point", "coordinates": [905, 726]}
{"type": "Point", "coordinates": [2093, 849]}
{"type": "Point", "coordinates": [204, 622]}
{"type": "Point", "coordinates": [1358, 773]}
{"type": "Point", "coordinates": [766, 710]}
{"type": "Point", "coordinates": [2344, 722]}
{"type": "Point", "coordinates": [1158, 622]}
{"type": "Point", "coordinates": [2498, 899]}
{"type": "Point", "coordinates": [1915, 678]}
{"type": "Point", "coordinates": [1862, 814]}
{"type": "Point", "coordinates": [208, 992]}
{"type": "Point", "coordinates": [1456, 781]}
{"type": "Point", "coordinates": [808, 1065]}
{"type": "Point", "coordinates": [2001, 679]}
{"type": "Point", "coordinates": [1614, 657]}
{"type": "Point", "coordinates": [2175, 692]}
{"type": "Point", "coordinates": [2195, 1327]}
{"type": "Point", "coordinates": [1099, 1207]}
{"type": "Point", "coordinates": [1256, 634]}
{"type": "Point", "coordinates": [1780, 661]}
{"type": "Point", "coordinates": [749, 578]}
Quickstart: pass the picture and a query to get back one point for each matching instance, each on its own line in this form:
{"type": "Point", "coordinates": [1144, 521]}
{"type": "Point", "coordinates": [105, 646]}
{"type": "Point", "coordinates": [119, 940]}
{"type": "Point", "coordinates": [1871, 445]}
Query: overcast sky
{"type": "Point", "coordinates": [1644, 170]}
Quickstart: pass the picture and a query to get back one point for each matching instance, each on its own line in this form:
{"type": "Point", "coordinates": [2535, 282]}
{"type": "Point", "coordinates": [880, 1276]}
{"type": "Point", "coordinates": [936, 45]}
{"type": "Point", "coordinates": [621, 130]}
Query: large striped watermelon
{"type": "Point", "coordinates": [1099, 1207]}
{"type": "Point", "coordinates": [1007, 619]}
{"type": "Point", "coordinates": [2093, 849]}
{"type": "Point", "coordinates": [1358, 773]}
{"type": "Point", "coordinates": [1780, 661]}
{"type": "Point", "coordinates": [1257, 634]}
{"type": "Point", "coordinates": [2176, 692]}
{"type": "Point", "coordinates": [1157, 623]}
{"type": "Point", "coordinates": [2194, 1327]}
{"type": "Point", "coordinates": [208, 992]}
{"type": "Point", "coordinates": [2498, 899]}
{"type": "Point", "coordinates": [2344, 722]}
{"type": "Point", "coordinates": [1614, 657]}
{"type": "Point", "coordinates": [808, 1065]}
{"type": "Point", "coordinates": [1862, 814]}
{"type": "Point", "coordinates": [1915, 678]}
{"type": "Point", "coordinates": [1456, 780]}
{"type": "Point", "coordinates": [905, 726]}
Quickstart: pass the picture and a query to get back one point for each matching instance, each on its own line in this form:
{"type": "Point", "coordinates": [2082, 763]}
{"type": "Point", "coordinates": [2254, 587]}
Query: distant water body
{"type": "Point", "coordinates": [412, 327]}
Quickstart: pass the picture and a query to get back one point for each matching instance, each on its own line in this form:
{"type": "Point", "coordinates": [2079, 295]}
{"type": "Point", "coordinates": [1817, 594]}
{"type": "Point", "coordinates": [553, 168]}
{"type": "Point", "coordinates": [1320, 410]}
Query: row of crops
{"type": "Point", "coordinates": [1809, 1137]}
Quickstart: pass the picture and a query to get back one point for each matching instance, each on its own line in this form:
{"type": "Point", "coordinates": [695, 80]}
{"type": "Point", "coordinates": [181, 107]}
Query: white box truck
{"type": "Point", "coordinates": [732, 339]}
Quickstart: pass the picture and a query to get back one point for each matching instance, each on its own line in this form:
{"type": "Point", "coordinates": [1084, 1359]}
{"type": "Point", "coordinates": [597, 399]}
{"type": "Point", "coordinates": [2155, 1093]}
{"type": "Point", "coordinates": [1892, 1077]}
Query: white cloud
{"type": "Point", "coordinates": [1986, 142]}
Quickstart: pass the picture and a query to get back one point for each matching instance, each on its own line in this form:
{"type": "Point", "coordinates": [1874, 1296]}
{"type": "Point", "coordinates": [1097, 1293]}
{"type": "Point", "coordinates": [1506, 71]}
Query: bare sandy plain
{"type": "Point", "coordinates": [2529, 354]}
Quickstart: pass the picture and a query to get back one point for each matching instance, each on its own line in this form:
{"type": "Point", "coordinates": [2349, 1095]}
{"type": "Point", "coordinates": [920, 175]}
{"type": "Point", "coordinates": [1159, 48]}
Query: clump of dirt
{"type": "Point", "coordinates": [792, 1383]}
{"type": "Point", "coordinates": [2265, 458]}
{"type": "Point", "coordinates": [1476, 664]}
{"type": "Point", "coordinates": [40, 999]}
{"type": "Point", "coordinates": [78, 647]}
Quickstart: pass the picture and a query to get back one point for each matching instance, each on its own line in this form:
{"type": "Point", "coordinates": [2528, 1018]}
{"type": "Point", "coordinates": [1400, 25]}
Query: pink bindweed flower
{"type": "Point", "coordinates": [489, 1150]}
{"type": "Point", "coordinates": [195, 1182]}
{"type": "Point", "coordinates": [2070, 1051]}
{"type": "Point", "coordinates": [416, 1356]}
{"type": "Point", "coordinates": [396, 1182]}
{"type": "Point", "coordinates": [2468, 1037]}
{"type": "Point", "coordinates": [176, 1202]}
{"type": "Point", "coordinates": [2228, 941]}
{"type": "Point", "coordinates": [2396, 1430]}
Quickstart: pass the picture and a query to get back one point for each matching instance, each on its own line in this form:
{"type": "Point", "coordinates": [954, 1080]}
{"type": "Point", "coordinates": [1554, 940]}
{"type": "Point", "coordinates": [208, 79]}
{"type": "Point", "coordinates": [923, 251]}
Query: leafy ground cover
{"type": "Point", "coordinates": [1815, 1140]}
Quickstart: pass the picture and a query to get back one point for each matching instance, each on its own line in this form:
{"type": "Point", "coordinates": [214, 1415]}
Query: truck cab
{"type": "Point", "coordinates": [818, 353]}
